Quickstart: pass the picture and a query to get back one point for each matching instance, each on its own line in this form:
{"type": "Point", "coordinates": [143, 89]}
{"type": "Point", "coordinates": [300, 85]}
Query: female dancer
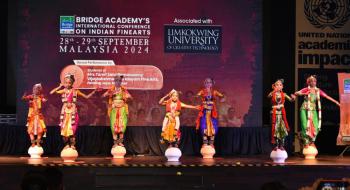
{"type": "Point", "coordinates": [118, 109]}
{"type": "Point", "coordinates": [35, 122]}
{"type": "Point", "coordinates": [311, 110]}
{"type": "Point", "coordinates": [69, 118]}
{"type": "Point", "coordinates": [171, 124]}
{"type": "Point", "coordinates": [279, 122]}
{"type": "Point", "coordinates": [207, 119]}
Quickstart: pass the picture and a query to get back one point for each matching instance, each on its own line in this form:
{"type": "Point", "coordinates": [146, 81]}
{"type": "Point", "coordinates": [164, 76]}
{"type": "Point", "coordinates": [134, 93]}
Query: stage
{"type": "Point", "coordinates": [143, 74]}
{"type": "Point", "coordinates": [241, 154]}
{"type": "Point", "coordinates": [154, 172]}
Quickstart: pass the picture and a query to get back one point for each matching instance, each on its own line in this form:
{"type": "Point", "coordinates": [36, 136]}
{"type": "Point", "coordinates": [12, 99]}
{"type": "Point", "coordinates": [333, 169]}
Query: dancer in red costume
{"type": "Point", "coordinates": [280, 127]}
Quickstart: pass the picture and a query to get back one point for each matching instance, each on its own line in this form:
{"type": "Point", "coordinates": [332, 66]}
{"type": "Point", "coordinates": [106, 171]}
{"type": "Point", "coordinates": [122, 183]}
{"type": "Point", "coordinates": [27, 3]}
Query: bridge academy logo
{"type": "Point", "coordinates": [327, 13]}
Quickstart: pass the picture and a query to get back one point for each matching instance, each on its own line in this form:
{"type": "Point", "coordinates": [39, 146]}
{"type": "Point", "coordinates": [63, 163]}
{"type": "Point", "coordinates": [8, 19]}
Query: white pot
{"type": "Point", "coordinates": [278, 156]}
{"type": "Point", "coordinates": [310, 152]}
{"type": "Point", "coordinates": [173, 154]}
{"type": "Point", "coordinates": [69, 154]}
{"type": "Point", "coordinates": [207, 151]}
{"type": "Point", "coordinates": [118, 151]}
{"type": "Point", "coordinates": [35, 152]}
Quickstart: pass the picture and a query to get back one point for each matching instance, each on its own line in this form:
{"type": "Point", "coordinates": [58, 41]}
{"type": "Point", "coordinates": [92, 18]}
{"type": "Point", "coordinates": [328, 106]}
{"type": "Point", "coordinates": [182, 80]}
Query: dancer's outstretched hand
{"type": "Point", "coordinates": [293, 96]}
{"type": "Point", "coordinates": [338, 104]}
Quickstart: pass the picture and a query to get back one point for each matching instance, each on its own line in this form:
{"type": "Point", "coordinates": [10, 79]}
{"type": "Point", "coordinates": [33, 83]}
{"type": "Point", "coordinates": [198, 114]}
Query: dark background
{"type": "Point", "coordinates": [278, 51]}
{"type": "Point", "coordinates": [7, 65]}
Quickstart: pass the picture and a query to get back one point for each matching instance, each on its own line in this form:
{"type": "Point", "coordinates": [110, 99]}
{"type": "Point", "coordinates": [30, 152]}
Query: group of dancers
{"type": "Point", "coordinates": [118, 97]}
{"type": "Point", "coordinates": [310, 112]}
{"type": "Point", "coordinates": [207, 120]}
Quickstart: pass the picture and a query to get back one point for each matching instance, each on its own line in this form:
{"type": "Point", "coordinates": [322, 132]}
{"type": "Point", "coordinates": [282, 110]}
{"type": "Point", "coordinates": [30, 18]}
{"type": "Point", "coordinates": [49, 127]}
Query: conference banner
{"type": "Point", "coordinates": [322, 48]}
{"type": "Point", "coordinates": [156, 46]}
{"type": "Point", "coordinates": [344, 96]}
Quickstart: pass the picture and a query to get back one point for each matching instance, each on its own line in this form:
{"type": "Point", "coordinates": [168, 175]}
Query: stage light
{"type": "Point", "coordinates": [179, 173]}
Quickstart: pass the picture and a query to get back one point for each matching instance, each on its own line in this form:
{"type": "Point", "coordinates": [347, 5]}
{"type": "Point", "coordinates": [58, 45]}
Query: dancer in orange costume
{"type": "Point", "coordinates": [35, 122]}
{"type": "Point", "coordinates": [171, 124]}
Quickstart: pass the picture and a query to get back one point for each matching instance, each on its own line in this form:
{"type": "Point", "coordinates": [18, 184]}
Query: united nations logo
{"type": "Point", "coordinates": [327, 13]}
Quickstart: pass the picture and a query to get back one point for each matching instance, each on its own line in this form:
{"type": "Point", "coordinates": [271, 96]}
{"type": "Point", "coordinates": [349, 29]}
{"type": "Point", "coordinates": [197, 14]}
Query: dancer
{"type": "Point", "coordinates": [207, 119]}
{"type": "Point", "coordinates": [171, 124]}
{"type": "Point", "coordinates": [35, 122]}
{"type": "Point", "coordinates": [69, 118]}
{"type": "Point", "coordinates": [118, 109]}
{"type": "Point", "coordinates": [279, 121]}
{"type": "Point", "coordinates": [311, 110]}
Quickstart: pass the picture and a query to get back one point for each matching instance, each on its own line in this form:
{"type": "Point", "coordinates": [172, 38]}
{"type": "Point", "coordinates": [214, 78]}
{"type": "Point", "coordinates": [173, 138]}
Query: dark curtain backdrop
{"type": "Point", "coordinates": [97, 141]}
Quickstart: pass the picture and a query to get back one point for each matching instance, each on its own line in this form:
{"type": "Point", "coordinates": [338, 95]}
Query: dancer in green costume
{"type": "Point", "coordinates": [311, 110]}
{"type": "Point", "coordinates": [118, 110]}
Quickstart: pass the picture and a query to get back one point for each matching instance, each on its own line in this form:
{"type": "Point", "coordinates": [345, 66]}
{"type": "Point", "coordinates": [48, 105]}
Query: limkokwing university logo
{"type": "Point", "coordinates": [327, 13]}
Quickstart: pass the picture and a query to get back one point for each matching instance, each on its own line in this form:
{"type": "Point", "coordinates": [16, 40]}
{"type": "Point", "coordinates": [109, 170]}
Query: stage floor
{"type": "Point", "coordinates": [158, 161]}
{"type": "Point", "coordinates": [154, 172]}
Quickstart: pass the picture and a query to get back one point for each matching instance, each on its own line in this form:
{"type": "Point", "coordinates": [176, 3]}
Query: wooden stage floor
{"type": "Point", "coordinates": [154, 172]}
{"type": "Point", "coordinates": [152, 161]}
